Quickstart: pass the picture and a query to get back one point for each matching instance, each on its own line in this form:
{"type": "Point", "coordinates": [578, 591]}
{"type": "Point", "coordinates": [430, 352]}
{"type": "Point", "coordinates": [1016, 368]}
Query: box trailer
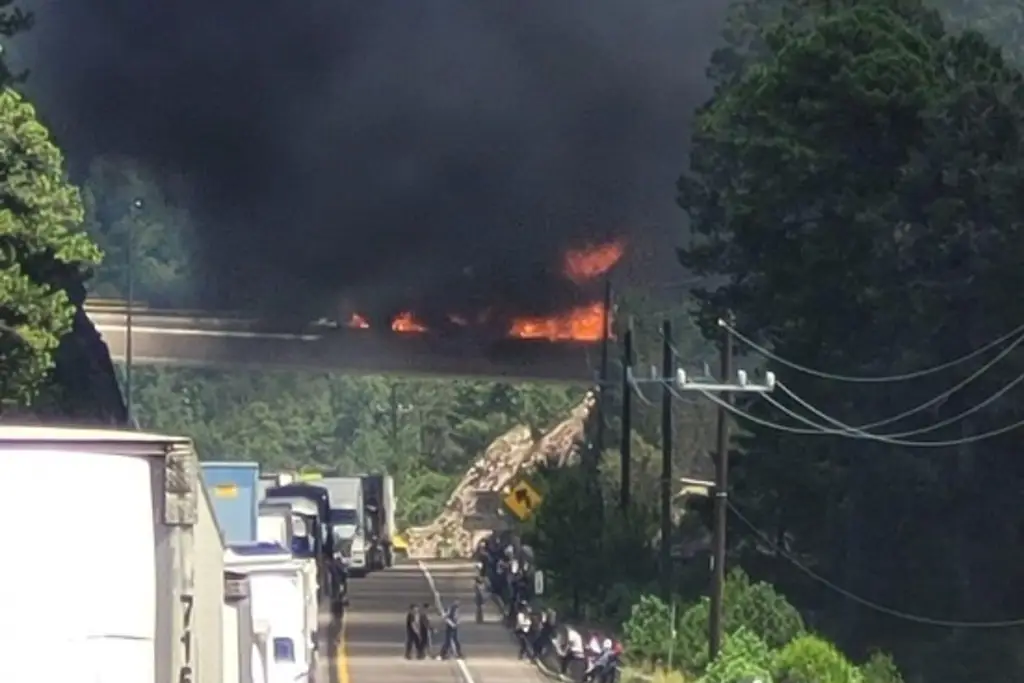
{"type": "Point", "coordinates": [233, 488]}
{"type": "Point", "coordinates": [127, 510]}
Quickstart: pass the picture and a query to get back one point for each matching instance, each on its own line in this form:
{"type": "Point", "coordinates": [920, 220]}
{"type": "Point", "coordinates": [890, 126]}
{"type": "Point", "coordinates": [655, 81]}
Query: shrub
{"type": "Point", "coordinates": [744, 656]}
{"type": "Point", "coordinates": [880, 668]}
{"type": "Point", "coordinates": [754, 606]}
{"type": "Point", "coordinates": [809, 659]}
{"type": "Point", "coordinates": [648, 631]}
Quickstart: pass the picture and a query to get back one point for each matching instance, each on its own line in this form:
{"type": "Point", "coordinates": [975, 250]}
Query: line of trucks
{"type": "Point", "coordinates": [180, 571]}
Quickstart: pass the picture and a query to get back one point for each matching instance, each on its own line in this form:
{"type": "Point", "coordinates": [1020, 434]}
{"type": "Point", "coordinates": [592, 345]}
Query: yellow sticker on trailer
{"type": "Point", "coordinates": [310, 476]}
{"type": "Point", "coordinates": [225, 491]}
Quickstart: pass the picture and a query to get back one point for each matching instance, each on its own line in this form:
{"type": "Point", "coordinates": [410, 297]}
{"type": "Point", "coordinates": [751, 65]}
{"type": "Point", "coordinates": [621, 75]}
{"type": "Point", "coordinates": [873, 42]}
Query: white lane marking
{"type": "Point", "coordinates": [466, 676]}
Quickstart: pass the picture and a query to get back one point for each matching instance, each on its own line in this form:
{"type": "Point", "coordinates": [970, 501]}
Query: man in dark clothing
{"type": "Point", "coordinates": [423, 632]}
{"type": "Point", "coordinates": [544, 634]}
{"type": "Point", "coordinates": [451, 632]}
{"type": "Point", "coordinates": [412, 636]}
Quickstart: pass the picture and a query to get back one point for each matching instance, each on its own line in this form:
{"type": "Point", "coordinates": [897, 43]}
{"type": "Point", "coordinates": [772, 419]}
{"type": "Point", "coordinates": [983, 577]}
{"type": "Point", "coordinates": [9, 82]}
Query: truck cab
{"type": "Point", "coordinates": [350, 537]}
{"type": "Point", "coordinates": [276, 590]}
{"type": "Point", "coordinates": [348, 520]}
{"type": "Point", "coordinates": [323, 540]}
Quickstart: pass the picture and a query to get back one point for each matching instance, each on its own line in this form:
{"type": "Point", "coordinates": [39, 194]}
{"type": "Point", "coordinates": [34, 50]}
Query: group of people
{"type": "Point", "coordinates": [508, 567]}
{"type": "Point", "coordinates": [419, 632]}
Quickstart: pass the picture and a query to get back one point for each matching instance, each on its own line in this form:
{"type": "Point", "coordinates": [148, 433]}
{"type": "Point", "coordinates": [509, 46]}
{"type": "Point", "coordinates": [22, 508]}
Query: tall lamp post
{"type": "Point", "coordinates": [137, 206]}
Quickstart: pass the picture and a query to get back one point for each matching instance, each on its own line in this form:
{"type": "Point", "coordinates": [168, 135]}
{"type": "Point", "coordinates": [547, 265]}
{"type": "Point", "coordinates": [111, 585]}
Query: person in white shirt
{"type": "Point", "coordinates": [597, 668]}
{"type": "Point", "coordinates": [523, 625]}
{"type": "Point", "coordinates": [573, 649]}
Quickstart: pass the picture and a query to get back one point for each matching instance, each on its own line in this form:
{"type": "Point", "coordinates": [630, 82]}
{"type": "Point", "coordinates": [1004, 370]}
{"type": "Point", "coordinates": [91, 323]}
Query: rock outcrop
{"type": "Point", "coordinates": [515, 454]}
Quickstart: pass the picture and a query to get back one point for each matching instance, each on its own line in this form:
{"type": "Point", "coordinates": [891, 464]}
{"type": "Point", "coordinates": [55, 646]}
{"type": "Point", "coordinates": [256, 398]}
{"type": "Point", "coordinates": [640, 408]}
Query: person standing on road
{"type": "Point", "coordinates": [424, 631]}
{"type": "Point", "coordinates": [523, 625]}
{"type": "Point", "coordinates": [412, 636]}
{"type": "Point", "coordinates": [451, 632]}
{"type": "Point", "coordinates": [574, 651]}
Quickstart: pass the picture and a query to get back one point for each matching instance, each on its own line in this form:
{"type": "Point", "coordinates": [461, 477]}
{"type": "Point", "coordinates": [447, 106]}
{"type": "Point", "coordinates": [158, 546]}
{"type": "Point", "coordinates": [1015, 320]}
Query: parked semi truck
{"type": "Point", "coordinates": [348, 520]}
{"type": "Point", "coordinates": [379, 503]}
{"type": "Point", "coordinates": [147, 596]}
{"type": "Point", "coordinates": [328, 573]}
{"type": "Point", "coordinates": [233, 488]}
{"type": "Point", "coordinates": [278, 601]}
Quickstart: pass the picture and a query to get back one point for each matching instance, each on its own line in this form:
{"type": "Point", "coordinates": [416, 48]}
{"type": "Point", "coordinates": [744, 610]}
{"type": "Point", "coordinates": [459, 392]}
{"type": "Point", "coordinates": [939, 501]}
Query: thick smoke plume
{"type": "Point", "coordinates": [438, 155]}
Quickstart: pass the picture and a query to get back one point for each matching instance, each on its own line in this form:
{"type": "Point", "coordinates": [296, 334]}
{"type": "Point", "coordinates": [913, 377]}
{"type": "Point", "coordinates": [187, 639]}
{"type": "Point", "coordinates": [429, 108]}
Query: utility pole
{"type": "Point", "coordinates": [721, 508]}
{"type": "Point", "coordinates": [602, 390]}
{"type": "Point", "coordinates": [724, 390]}
{"type": "Point", "coordinates": [667, 373]}
{"type": "Point", "coordinates": [394, 418]}
{"type": "Point", "coordinates": [627, 418]}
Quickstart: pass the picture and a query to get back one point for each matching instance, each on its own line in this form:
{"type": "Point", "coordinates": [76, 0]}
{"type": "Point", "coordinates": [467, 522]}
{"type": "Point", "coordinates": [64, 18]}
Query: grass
{"type": "Point", "coordinates": [632, 675]}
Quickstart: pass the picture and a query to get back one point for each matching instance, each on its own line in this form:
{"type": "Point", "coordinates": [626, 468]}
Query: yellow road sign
{"type": "Point", "coordinates": [522, 500]}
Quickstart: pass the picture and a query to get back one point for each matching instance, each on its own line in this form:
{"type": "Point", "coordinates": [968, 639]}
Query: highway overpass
{"type": "Point", "coordinates": [201, 339]}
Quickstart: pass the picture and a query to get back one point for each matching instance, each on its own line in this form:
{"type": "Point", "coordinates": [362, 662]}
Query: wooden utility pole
{"type": "Point", "coordinates": [625, 447]}
{"type": "Point", "coordinates": [602, 390]}
{"type": "Point", "coordinates": [721, 509]}
{"type": "Point", "coordinates": [667, 374]}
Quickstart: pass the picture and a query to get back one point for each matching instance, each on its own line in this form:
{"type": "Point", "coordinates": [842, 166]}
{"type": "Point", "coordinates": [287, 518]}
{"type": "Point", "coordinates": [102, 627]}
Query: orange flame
{"type": "Point", "coordinates": [583, 265]}
{"type": "Point", "coordinates": [584, 323]}
{"type": "Point", "coordinates": [405, 322]}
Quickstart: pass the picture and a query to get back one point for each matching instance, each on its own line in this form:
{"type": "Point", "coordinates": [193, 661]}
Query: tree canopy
{"type": "Point", "coordinates": [44, 251]}
{"type": "Point", "coordinates": [855, 183]}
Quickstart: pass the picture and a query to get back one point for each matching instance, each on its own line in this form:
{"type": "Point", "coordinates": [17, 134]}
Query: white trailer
{"type": "Point", "coordinates": [122, 564]}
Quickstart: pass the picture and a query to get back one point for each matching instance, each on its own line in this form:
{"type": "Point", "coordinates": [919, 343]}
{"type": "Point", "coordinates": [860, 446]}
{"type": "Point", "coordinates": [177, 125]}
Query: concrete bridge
{"type": "Point", "coordinates": [160, 337]}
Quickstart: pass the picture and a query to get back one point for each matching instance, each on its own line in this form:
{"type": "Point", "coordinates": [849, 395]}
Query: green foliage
{"type": "Point", "coordinates": [44, 253]}
{"type": "Point", "coordinates": [754, 606]}
{"type": "Point", "coordinates": [809, 659]}
{"type": "Point", "coordinates": [880, 668]}
{"type": "Point", "coordinates": [413, 429]}
{"type": "Point", "coordinates": [854, 186]}
{"type": "Point", "coordinates": [743, 656]}
{"type": "Point", "coordinates": [648, 631]}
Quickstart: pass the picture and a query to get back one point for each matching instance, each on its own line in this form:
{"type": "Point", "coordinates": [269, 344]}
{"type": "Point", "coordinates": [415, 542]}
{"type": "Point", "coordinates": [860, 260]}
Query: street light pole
{"type": "Point", "coordinates": [129, 313]}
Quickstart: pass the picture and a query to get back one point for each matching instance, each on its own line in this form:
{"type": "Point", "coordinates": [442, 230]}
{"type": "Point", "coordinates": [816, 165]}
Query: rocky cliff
{"type": "Point", "coordinates": [511, 456]}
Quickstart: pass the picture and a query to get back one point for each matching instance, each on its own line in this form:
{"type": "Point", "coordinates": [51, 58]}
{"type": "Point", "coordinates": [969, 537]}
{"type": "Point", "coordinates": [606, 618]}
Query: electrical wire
{"type": "Point", "coordinates": [637, 391]}
{"type": "Point", "coordinates": [874, 437]}
{"type": "Point", "coordinates": [858, 431]}
{"type": "Point", "coordinates": [899, 614]}
{"type": "Point", "coordinates": [767, 353]}
{"type": "Point", "coordinates": [935, 400]}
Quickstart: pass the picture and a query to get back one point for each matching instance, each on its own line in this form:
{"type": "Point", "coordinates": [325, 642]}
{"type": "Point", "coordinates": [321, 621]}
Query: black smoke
{"type": "Point", "coordinates": [438, 155]}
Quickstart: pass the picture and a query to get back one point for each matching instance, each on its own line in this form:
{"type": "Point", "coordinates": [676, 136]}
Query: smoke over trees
{"type": "Point", "coordinates": [437, 156]}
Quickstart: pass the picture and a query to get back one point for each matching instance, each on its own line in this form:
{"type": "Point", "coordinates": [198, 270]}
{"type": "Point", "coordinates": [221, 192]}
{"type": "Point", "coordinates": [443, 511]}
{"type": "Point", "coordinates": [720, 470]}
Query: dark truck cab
{"type": "Point", "coordinates": [323, 539]}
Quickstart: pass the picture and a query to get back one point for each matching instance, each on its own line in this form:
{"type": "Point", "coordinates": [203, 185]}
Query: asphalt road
{"type": "Point", "coordinates": [371, 642]}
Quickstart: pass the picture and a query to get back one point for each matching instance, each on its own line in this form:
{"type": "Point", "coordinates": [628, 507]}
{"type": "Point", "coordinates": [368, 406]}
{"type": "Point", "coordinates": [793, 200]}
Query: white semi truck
{"type": "Point", "coordinates": [348, 520]}
{"type": "Point", "coordinates": [133, 589]}
{"type": "Point", "coordinates": [278, 602]}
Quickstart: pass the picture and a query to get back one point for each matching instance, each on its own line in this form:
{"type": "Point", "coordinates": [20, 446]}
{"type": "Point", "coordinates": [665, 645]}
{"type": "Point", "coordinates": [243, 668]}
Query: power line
{"type": "Point", "coordinates": [874, 437]}
{"type": "Point", "coordinates": [899, 614]}
{"type": "Point", "coordinates": [767, 353]}
{"type": "Point", "coordinates": [858, 431]}
{"type": "Point", "coordinates": [942, 396]}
